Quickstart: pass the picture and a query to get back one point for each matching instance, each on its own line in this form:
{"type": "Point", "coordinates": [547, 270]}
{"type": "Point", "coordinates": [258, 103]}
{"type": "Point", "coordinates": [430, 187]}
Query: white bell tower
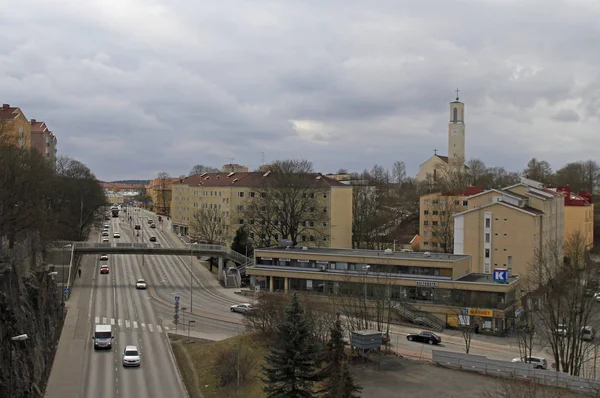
{"type": "Point", "coordinates": [456, 131]}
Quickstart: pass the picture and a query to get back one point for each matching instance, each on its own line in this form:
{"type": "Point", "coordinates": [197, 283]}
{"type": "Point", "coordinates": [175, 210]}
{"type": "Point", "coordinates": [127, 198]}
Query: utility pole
{"type": "Point", "coordinates": [191, 280]}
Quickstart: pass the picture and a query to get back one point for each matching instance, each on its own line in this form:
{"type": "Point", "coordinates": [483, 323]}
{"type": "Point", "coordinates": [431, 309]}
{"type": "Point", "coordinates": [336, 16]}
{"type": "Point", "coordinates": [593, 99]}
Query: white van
{"type": "Point", "coordinates": [588, 333]}
{"type": "Point", "coordinates": [103, 337]}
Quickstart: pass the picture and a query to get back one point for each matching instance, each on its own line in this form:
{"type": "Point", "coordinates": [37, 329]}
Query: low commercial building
{"type": "Point", "coordinates": [442, 285]}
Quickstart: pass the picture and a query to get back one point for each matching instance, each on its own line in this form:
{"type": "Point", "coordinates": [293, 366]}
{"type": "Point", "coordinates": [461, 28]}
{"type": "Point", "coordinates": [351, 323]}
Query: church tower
{"type": "Point", "coordinates": [456, 131]}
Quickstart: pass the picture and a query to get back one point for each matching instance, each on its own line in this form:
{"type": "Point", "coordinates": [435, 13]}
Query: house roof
{"type": "Point", "coordinates": [249, 179]}
{"type": "Point", "coordinates": [38, 126]}
{"type": "Point", "coordinates": [155, 183]}
{"type": "Point", "coordinates": [8, 112]}
{"type": "Point", "coordinates": [525, 209]}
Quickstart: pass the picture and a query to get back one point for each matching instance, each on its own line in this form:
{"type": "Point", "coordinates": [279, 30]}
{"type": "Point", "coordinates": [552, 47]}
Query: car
{"type": "Point", "coordinates": [597, 297]}
{"type": "Point", "coordinates": [425, 337]}
{"type": "Point", "coordinates": [106, 217]}
{"type": "Point", "coordinates": [150, 221]}
{"type": "Point", "coordinates": [152, 225]}
{"type": "Point", "coordinates": [104, 233]}
{"type": "Point", "coordinates": [242, 308]}
{"type": "Point", "coordinates": [106, 226]}
{"type": "Point", "coordinates": [138, 226]}
{"type": "Point", "coordinates": [104, 269]}
{"type": "Point", "coordinates": [562, 330]}
{"type": "Point", "coordinates": [104, 257]}
{"type": "Point", "coordinates": [536, 362]}
{"type": "Point", "coordinates": [105, 240]}
{"type": "Point", "coordinates": [131, 356]}
{"type": "Point", "coordinates": [588, 333]}
{"type": "Point", "coordinates": [141, 284]}
{"type": "Point", "coordinates": [116, 235]}
{"type": "Point", "coordinates": [153, 239]}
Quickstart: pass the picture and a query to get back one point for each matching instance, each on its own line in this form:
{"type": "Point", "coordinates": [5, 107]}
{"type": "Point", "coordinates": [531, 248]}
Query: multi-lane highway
{"type": "Point", "coordinates": [141, 317]}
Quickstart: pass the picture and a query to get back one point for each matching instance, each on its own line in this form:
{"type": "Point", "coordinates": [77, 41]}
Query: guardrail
{"type": "Point", "coordinates": [516, 371]}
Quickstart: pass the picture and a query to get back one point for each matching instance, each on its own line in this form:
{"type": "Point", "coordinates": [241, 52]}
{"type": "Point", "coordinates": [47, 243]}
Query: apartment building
{"type": "Point", "coordinates": [436, 221]}
{"type": "Point", "coordinates": [160, 191]}
{"type": "Point", "coordinates": [230, 194]}
{"type": "Point", "coordinates": [423, 284]}
{"type": "Point", "coordinates": [43, 141]}
{"type": "Point", "coordinates": [579, 213]}
{"type": "Point", "coordinates": [14, 126]}
{"type": "Point", "coordinates": [507, 228]}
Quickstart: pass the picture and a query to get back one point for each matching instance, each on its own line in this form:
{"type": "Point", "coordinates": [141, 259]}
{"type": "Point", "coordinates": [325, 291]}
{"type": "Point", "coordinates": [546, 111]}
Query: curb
{"type": "Point", "coordinates": [172, 354]}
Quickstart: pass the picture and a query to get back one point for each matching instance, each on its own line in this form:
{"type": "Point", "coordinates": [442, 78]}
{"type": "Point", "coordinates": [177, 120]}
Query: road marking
{"type": "Point", "coordinates": [143, 325]}
{"type": "Point", "coordinates": [150, 327]}
{"type": "Point", "coordinates": [159, 328]}
{"type": "Point", "coordinates": [127, 324]}
{"type": "Point", "coordinates": [135, 324]}
{"type": "Point", "coordinates": [97, 319]}
{"type": "Point", "coordinates": [119, 322]}
{"type": "Point", "coordinates": [103, 319]}
{"type": "Point", "coordinates": [166, 327]}
{"type": "Point", "coordinates": [112, 321]}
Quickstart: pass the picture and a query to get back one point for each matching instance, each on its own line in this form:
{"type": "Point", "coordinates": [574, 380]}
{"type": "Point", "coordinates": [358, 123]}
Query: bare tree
{"type": "Point", "coordinates": [209, 226]}
{"type": "Point", "coordinates": [290, 202]}
{"type": "Point", "coordinates": [164, 185]}
{"type": "Point", "coordinates": [579, 175]}
{"type": "Point", "coordinates": [538, 170]}
{"type": "Point", "coordinates": [440, 220]}
{"type": "Point", "coordinates": [200, 169]}
{"type": "Point", "coordinates": [399, 172]}
{"type": "Point", "coordinates": [477, 172]}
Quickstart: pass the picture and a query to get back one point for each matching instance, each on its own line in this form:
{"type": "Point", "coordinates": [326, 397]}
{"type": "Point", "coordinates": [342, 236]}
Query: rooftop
{"type": "Point", "coordinates": [248, 179]}
{"type": "Point", "coordinates": [484, 278]}
{"type": "Point", "coordinates": [398, 255]}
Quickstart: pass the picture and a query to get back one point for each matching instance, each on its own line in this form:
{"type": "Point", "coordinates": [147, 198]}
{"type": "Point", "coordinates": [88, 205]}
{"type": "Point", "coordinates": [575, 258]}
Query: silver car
{"type": "Point", "coordinates": [242, 308]}
{"type": "Point", "coordinates": [131, 356]}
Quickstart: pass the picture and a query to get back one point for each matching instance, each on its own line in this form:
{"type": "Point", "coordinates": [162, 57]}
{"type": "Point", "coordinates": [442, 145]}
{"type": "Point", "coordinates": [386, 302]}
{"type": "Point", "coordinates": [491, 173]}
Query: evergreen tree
{"type": "Point", "coordinates": [291, 362]}
{"type": "Point", "coordinates": [241, 242]}
{"type": "Point", "coordinates": [338, 380]}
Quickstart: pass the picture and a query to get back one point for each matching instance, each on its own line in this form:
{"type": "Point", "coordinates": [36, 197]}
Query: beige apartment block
{"type": "Point", "coordinates": [230, 194]}
{"type": "Point", "coordinates": [160, 191]}
{"type": "Point", "coordinates": [43, 141]}
{"type": "Point", "coordinates": [579, 214]}
{"type": "Point", "coordinates": [436, 221]}
{"type": "Point", "coordinates": [14, 127]}
{"type": "Point", "coordinates": [508, 228]}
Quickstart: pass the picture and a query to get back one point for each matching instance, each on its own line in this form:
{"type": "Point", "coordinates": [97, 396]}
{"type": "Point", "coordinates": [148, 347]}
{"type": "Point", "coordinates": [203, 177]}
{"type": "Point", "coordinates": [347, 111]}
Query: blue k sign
{"type": "Point", "coordinates": [500, 275]}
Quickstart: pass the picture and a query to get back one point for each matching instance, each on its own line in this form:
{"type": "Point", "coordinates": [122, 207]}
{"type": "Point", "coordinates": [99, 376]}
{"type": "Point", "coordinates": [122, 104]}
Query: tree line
{"type": "Point", "coordinates": [59, 202]}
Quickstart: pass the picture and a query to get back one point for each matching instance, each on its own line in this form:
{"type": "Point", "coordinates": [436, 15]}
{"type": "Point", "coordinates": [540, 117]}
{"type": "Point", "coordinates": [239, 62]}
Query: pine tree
{"type": "Point", "coordinates": [338, 380]}
{"type": "Point", "coordinates": [291, 362]}
{"type": "Point", "coordinates": [241, 242]}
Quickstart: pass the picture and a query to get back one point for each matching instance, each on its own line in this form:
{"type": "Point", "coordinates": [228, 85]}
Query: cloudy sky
{"type": "Point", "coordinates": [135, 87]}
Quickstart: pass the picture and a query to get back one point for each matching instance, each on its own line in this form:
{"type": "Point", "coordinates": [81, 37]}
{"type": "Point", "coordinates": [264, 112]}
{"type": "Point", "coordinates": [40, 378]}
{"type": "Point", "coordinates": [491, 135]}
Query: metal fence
{"type": "Point", "coordinates": [516, 371]}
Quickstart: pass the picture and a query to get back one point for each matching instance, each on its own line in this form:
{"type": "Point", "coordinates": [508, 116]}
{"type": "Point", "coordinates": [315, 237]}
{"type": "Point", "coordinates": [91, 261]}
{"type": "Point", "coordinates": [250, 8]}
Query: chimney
{"type": "Point", "coordinates": [32, 120]}
{"type": "Point", "coordinates": [5, 106]}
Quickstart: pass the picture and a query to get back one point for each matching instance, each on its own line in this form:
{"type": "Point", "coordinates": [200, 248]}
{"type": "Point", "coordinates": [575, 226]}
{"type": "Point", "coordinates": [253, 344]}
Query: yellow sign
{"type": "Point", "coordinates": [452, 320]}
{"type": "Point", "coordinates": [483, 313]}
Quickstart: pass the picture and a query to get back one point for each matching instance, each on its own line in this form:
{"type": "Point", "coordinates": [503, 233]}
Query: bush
{"type": "Point", "coordinates": [267, 313]}
{"type": "Point", "coordinates": [233, 363]}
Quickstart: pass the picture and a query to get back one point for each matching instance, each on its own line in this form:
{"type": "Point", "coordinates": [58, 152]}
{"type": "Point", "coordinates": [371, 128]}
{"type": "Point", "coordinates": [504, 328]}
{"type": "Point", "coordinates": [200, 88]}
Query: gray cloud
{"type": "Point", "coordinates": [139, 87]}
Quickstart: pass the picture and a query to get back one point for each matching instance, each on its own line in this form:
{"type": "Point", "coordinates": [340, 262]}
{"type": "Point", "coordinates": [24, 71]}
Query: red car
{"type": "Point", "coordinates": [104, 269]}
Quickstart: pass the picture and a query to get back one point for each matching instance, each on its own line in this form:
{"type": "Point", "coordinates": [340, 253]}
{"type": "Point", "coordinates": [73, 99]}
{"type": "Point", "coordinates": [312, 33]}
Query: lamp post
{"type": "Point", "coordinates": [189, 327]}
{"type": "Point", "coordinates": [366, 273]}
{"type": "Point", "coordinates": [191, 279]}
{"type": "Point", "coordinates": [21, 337]}
{"type": "Point", "coordinates": [183, 316]}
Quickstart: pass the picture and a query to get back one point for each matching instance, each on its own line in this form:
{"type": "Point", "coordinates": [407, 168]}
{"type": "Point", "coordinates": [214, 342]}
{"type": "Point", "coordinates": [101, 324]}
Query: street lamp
{"type": "Point", "coordinates": [21, 337]}
{"type": "Point", "coordinates": [189, 327]}
{"type": "Point", "coordinates": [191, 279]}
{"type": "Point", "coordinates": [366, 273]}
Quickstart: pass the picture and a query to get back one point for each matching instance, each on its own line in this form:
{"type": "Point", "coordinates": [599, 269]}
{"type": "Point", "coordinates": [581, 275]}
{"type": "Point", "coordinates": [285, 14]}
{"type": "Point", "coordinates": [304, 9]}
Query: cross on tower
{"type": "Point", "coordinates": [457, 91]}
{"type": "Point", "coordinates": [435, 151]}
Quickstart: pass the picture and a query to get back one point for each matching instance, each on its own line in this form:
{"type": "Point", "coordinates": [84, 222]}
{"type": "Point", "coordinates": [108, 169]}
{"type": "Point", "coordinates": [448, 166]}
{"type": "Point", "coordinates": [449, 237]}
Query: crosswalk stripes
{"type": "Point", "coordinates": [128, 324]}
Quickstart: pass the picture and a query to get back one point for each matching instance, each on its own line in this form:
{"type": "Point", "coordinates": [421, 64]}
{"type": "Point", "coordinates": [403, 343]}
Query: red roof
{"type": "Point", "coordinates": [250, 179]}
{"type": "Point", "coordinates": [8, 112]}
{"type": "Point", "coordinates": [38, 126]}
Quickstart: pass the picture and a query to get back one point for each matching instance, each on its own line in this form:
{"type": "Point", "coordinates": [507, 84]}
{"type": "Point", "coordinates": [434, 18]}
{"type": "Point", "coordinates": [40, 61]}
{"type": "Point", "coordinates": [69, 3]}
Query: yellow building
{"type": "Point", "coordinates": [14, 127]}
{"type": "Point", "coordinates": [579, 214]}
{"type": "Point", "coordinates": [432, 167]}
{"type": "Point", "coordinates": [436, 222]}
{"type": "Point", "coordinates": [507, 228]}
{"type": "Point", "coordinates": [160, 191]}
{"type": "Point", "coordinates": [421, 284]}
{"type": "Point", "coordinates": [231, 193]}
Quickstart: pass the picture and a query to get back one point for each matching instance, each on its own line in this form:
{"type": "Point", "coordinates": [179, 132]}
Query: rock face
{"type": "Point", "coordinates": [30, 303]}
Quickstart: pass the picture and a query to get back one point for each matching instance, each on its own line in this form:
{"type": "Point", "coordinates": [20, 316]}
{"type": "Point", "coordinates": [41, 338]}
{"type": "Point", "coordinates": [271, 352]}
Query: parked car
{"type": "Point", "coordinates": [131, 356]}
{"type": "Point", "coordinates": [425, 337]}
{"type": "Point", "coordinates": [588, 333]}
{"type": "Point", "coordinates": [153, 239]}
{"type": "Point", "coordinates": [104, 269]}
{"type": "Point", "coordinates": [536, 362]}
{"type": "Point", "coordinates": [141, 284]}
{"type": "Point", "coordinates": [242, 308]}
{"type": "Point", "coordinates": [104, 257]}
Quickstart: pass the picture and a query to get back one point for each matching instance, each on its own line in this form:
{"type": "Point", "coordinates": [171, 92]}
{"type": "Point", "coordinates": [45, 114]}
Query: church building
{"type": "Point", "coordinates": [430, 169]}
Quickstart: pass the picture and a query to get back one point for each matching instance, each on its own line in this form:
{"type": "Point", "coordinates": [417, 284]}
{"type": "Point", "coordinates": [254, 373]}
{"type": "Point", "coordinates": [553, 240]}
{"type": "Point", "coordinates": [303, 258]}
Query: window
{"type": "Point", "coordinates": [324, 224]}
{"type": "Point", "coordinates": [312, 209]}
{"type": "Point", "coordinates": [506, 219]}
{"type": "Point", "coordinates": [456, 202]}
{"type": "Point", "coordinates": [443, 213]}
{"type": "Point", "coordinates": [443, 201]}
{"type": "Point", "coordinates": [436, 202]}
{"type": "Point", "coordinates": [465, 203]}
{"type": "Point", "coordinates": [455, 115]}
{"type": "Point", "coordinates": [425, 222]}
{"type": "Point", "coordinates": [219, 193]}
{"type": "Point", "coordinates": [425, 243]}
{"type": "Point", "coordinates": [240, 207]}
{"type": "Point", "coordinates": [509, 261]}
{"type": "Point", "coordinates": [426, 212]}
{"type": "Point", "coordinates": [324, 239]}
{"type": "Point", "coordinates": [487, 238]}
{"type": "Point", "coordinates": [312, 238]}
{"type": "Point", "coordinates": [488, 223]}
{"type": "Point", "coordinates": [240, 194]}
{"type": "Point", "coordinates": [505, 235]}
{"type": "Point", "coordinates": [311, 223]}
{"type": "Point", "coordinates": [434, 223]}
{"type": "Point", "coordinates": [324, 209]}
{"type": "Point", "coordinates": [426, 202]}
{"type": "Point", "coordinates": [303, 238]}
{"type": "Point", "coordinates": [496, 219]}
{"type": "Point", "coordinates": [251, 194]}
{"type": "Point", "coordinates": [425, 233]}
{"type": "Point", "coordinates": [241, 221]}
{"type": "Point", "coordinates": [504, 249]}
{"type": "Point", "coordinates": [435, 212]}
{"type": "Point", "coordinates": [324, 196]}
{"type": "Point", "coordinates": [487, 253]}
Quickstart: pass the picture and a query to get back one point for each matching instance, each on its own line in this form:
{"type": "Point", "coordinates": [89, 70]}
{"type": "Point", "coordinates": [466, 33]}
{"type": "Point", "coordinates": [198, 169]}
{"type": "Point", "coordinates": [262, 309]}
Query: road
{"type": "Point", "coordinates": [141, 317]}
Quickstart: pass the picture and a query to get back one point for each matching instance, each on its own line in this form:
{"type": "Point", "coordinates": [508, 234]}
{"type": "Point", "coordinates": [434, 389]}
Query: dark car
{"type": "Point", "coordinates": [150, 221]}
{"type": "Point", "coordinates": [138, 226]}
{"type": "Point", "coordinates": [152, 225]}
{"type": "Point", "coordinates": [425, 337]}
{"type": "Point", "coordinates": [153, 239]}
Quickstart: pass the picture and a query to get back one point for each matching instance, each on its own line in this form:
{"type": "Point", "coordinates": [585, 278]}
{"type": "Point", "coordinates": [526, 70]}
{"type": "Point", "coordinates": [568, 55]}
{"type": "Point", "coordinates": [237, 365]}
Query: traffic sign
{"type": "Point", "coordinates": [176, 316]}
{"type": "Point", "coordinates": [66, 290]}
{"type": "Point", "coordinates": [177, 299]}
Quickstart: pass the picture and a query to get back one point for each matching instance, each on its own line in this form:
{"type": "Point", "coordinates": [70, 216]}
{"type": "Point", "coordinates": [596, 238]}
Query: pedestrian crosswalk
{"type": "Point", "coordinates": [128, 324]}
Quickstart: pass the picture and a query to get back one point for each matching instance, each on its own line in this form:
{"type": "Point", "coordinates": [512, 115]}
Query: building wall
{"type": "Point", "coordinates": [579, 219]}
{"type": "Point", "coordinates": [445, 206]}
{"type": "Point", "coordinates": [17, 131]}
{"type": "Point", "coordinates": [511, 238]}
{"type": "Point", "coordinates": [340, 223]}
{"type": "Point", "coordinates": [456, 132]}
{"type": "Point", "coordinates": [429, 167]}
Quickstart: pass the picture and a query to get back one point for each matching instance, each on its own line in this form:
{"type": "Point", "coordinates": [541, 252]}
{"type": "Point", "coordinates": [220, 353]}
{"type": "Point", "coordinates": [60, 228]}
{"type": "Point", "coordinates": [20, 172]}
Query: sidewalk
{"type": "Point", "coordinates": [66, 375]}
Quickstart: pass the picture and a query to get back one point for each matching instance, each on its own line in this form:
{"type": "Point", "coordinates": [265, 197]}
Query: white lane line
{"type": "Point", "coordinates": [135, 324]}
{"type": "Point", "coordinates": [103, 319]}
{"type": "Point", "coordinates": [143, 325]}
{"type": "Point", "coordinates": [166, 327]}
{"type": "Point", "coordinates": [112, 321]}
{"type": "Point", "coordinates": [97, 319]}
{"type": "Point", "coordinates": [119, 322]}
{"type": "Point", "coordinates": [127, 323]}
{"type": "Point", "coordinates": [150, 327]}
{"type": "Point", "coordinates": [159, 328]}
